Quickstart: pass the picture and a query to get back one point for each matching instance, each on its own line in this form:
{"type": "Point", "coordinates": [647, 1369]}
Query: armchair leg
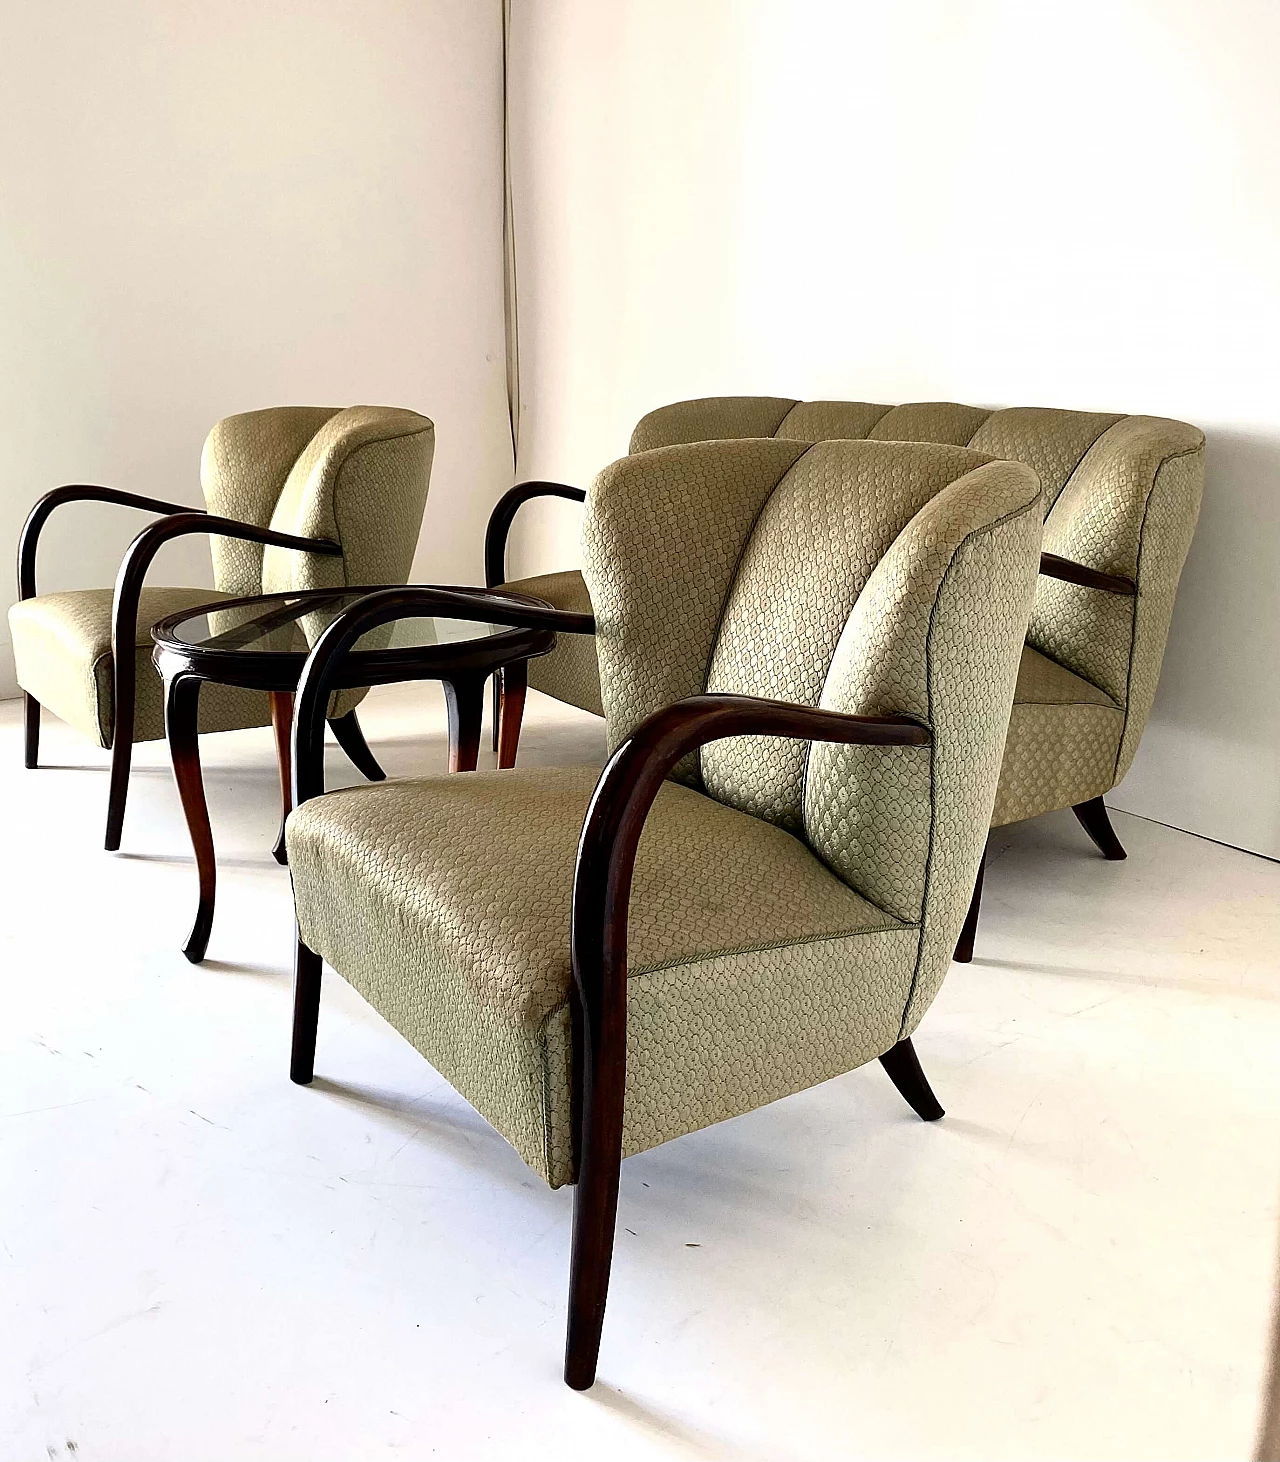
{"type": "Point", "coordinates": [512, 681]}
{"type": "Point", "coordinates": [903, 1067]}
{"type": "Point", "coordinates": [118, 792]}
{"type": "Point", "coordinates": [31, 730]}
{"type": "Point", "coordinates": [497, 708]}
{"type": "Point", "coordinates": [124, 685]}
{"type": "Point", "coordinates": [964, 945]}
{"type": "Point", "coordinates": [595, 1214]}
{"type": "Point", "coordinates": [1092, 816]}
{"type": "Point", "coordinates": [351, 739]}
{"type": "Point", "coordinates": [599, 1085]}
{"type": "Point", "coordinates": [306, 1013]}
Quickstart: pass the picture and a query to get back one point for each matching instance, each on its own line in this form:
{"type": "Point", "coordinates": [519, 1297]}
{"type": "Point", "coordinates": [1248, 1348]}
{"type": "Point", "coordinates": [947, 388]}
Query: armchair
{"type": "Point", "coordinates": [1122, 494]}
{"type": "Point", "coordinates": [298, 497]}
{"type": "Point", "coordinates": [805, 689]}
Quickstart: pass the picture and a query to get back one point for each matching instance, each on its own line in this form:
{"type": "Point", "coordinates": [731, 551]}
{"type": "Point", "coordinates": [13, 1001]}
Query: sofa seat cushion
{"type": "Point", "coordinates": [62, 653]}
{"type": "Point", "coordinates": [446, 902]}
{"type": "Point", "coordinates": [570, 672]}
{"type": "Point", "coordinates": [1063, 742]}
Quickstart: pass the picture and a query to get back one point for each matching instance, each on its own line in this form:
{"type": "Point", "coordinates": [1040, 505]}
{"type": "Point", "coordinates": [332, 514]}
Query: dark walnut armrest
{"type": "Point", "coordinates": [143, 549]}
{"type": "Point", "coordinates": [380, 607]}
{"type": "Point", "coordinates": [598, 940]}
{"type": "Point", "coordinates": [1070, 572]}
{"type": "Point", "coordinates": [77, 492]}
{"type": "Point", "coordinates": [503, 515]}
{"type": "Point", "coordinates": [124, 624]}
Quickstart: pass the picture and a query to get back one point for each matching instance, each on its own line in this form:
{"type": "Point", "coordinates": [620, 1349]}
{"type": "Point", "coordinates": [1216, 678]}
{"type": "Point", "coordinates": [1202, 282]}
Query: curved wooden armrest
{"type": "Point", "coordinates": [73, 493]}
{"type": "Point", "coordinates": [630, 783]}
{"type": "Point", "coordinates": [380, 606]}
{"type": "Point", "coordinates": [598, 943]}
{"type": "Point", "coordinates": [133, 570]}
{"type": "Point", "coordinates": [500, 520]}
{"type": "Point", "coordinates": [136, 562]}
{"type": "Point", "coordinates": [1054, 567]}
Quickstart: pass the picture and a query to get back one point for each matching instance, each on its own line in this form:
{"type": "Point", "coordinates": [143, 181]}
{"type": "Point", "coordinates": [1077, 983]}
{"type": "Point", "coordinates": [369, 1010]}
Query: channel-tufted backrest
{"type": "Point", "coordinates": [1121, 494]}
{"type": "Point", "coordinates": [356, 476]}
{"type": "Point", "coordinates": [871, 578]}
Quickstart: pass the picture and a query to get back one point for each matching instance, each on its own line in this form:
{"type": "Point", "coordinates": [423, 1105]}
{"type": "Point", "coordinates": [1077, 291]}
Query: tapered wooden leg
{"type": "Point", "coordinates": [1093, 818]}
{"type": "Point", "coordinates": [182, 707]}
{"type": "Point", "coordinates": [598, 1108]}
{"type": "Point", "coordinates": [282, 725]}
{"type": "Point", "coordinates": [903, 1066]}
{"type": "Point", "coordinates": [118, 791]}
{"type": "Point", "coordinates": [351, 739]}
{"type": "Point", "coordinates": [30, 730]}
{"type": "Point", "coordinates": [124, 673]}
{"type": "Point", "coordinates": [964, 945]}
{"type": "Point", "coordinates": [464, 700]}
{"type": "Point", "coordinates": [512, 682]}
{"type": "Point", "coordinates": [497, 708]}
{"type": "Point", "coordinates": [306, 1013]}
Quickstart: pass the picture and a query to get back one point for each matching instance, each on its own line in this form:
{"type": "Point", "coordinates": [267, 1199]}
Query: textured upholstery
{"type": "Point", "coordinates": [575, 675]}
{"type": "Point", "coordinates": [1122, 494]}
{"type": "Point", "coordinates": [357, 477]}
{"type": "Point", "coordinates": [1064, 738]}
{"type": "Point", "coordinates": [766, 952]}
{"type": "Point", "coordinates": [65, 663]}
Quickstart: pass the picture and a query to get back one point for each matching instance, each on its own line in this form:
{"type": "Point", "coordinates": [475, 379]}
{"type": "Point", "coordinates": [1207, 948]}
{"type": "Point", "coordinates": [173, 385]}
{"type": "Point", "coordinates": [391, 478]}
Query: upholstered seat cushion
{"type": "Point", "coordinates": [446, 902]}
{"type": "Point", "coordinates": [571, 671]}
{"type": "Point", "coordinates": [62, 650]}
{"type": "Point", "coordinates": [1063, 742]}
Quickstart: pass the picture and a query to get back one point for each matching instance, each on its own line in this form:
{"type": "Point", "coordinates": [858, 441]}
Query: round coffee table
{"type": "Point", "coordinates": [262, 643]}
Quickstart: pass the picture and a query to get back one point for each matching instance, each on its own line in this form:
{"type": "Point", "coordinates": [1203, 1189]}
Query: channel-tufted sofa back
{"type": "Point", "coordinates": [357, 476]}
{"type": "Point", "coordinates": [866, 577]}
{"type": "Point", "coordinates": [1121, 495]}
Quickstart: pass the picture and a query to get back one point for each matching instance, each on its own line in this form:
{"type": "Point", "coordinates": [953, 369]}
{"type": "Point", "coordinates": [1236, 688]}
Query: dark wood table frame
{"type": "Point", "coordinates": [462, 667]}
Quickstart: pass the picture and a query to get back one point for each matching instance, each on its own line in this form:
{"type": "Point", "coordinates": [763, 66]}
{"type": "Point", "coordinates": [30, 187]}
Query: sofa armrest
{"type": "Point", "coordinates": [1070, 572]}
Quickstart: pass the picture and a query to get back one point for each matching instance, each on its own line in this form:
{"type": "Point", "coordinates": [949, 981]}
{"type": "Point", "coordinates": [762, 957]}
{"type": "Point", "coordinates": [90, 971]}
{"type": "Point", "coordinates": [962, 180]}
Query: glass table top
{"type": "Point", "coordinates": [290, 624]}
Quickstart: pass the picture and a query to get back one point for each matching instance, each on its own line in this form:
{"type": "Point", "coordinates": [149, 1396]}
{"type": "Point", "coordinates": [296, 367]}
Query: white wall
{"type": "Point", "coordinates": [208, 208]}
{"type": "Point", "coordinates": [1069, 204]}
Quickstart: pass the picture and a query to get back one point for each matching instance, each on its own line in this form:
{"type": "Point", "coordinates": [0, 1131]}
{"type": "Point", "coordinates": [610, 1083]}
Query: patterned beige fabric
{"type": "Point", "coordinates": [659, 587]}
{"type": "Point", "coordinates": [357, 476]}
{"type": "Point", "coordinates": [1130, 508]}
{"type": "Point", "coordinates": [929, 421]}
{"type": "Point", "coordinates": [570, 672]}
{"type": "Point", "coordinates": [812, 549]}
{"type": "Point", "coordinates": [243, 468]}
{"type": "Point", "coordinates": [62, 645]}
{"type": "Point", "coordinates": [1122, 495]}
{"type": "Point", "coordinates": [709, 419]}
{"type": "Point", "coordinates": [759, 963]}
{"type": "Point", "coordinates": [1063, 738]}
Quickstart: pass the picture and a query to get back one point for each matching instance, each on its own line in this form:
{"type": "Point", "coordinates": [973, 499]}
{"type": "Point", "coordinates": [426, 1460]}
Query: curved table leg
{"type": "Point", "coordinates": [350, 738]}
{"type": "Point", "coordinates": [182, 704]}
{"type": "Point", "coordinates": [282, 725]}
{"type": "Point", "coordinates": [512, 682]}
{"type": "Point", "coordinates": [464, 699]}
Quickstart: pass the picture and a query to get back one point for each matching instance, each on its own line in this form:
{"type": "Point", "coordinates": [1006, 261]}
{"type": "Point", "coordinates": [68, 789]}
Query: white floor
{"type": "Point", "coordinates": [201, 1261]}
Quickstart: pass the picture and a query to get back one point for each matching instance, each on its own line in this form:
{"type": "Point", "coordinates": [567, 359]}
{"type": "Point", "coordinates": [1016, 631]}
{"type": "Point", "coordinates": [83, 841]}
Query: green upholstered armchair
{"type": "Point", "coordinates": [299, 497]}
{"type": "Point", "coordinates": [808, 655]}
{"type": "Point", "coordinates": [1121, 494]}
